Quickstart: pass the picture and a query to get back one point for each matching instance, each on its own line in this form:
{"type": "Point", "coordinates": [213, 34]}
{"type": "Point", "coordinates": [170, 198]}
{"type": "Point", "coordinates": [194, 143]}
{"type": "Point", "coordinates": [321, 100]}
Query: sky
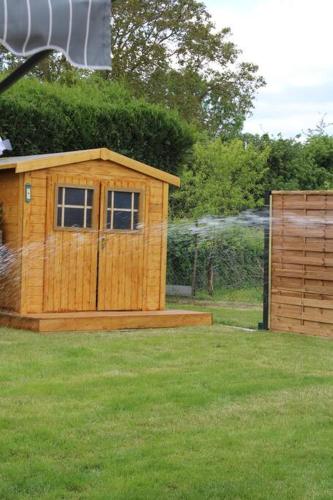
{"type": "Point", "coordinates": [292, 42]}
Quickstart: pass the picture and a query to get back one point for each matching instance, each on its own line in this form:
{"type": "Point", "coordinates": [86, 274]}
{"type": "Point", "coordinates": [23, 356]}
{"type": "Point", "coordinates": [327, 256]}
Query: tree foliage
{"type": "Point", "coordinates": [237, 254]}
{"type": "Point", "coordinates": [293, 164]}
{"type": "Point", "coordinates": [49, 117]}
{"type": "Point", "coordinates": [171, 52]}
{"type": "Point", "coordinates": [223, 179]}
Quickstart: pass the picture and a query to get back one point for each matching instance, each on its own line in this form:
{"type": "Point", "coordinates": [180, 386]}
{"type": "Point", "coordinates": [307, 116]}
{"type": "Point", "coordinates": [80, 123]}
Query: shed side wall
{"type": "Point", "coordinates": [34, 222]}
{"type": "Point", "coordinates": [155, 247]}
{"type": "Point", "coordinates": [10, 282]}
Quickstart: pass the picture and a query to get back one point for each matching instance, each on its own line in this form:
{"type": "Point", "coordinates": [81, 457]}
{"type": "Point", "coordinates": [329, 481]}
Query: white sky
{"type": "Point", "coordinates": [292, 42]}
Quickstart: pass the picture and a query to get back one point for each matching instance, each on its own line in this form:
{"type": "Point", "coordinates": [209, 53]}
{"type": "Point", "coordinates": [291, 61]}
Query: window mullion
{"type": "Point", "coordinates": [132, 212]}
{"type": "Point", "coordinates": [112, 209]}
{"type": "Point", "coordinates": [122, 218]}
{"type": "Point", "coordinates": [63, 207]}
{"type": "Point", "coordinates": [85, 208]}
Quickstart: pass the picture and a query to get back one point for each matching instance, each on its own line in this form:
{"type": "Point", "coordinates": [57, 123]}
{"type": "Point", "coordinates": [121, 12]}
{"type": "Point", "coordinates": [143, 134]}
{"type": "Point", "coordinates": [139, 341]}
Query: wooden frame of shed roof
{"type": "Point", "coordinates": [39, 162]}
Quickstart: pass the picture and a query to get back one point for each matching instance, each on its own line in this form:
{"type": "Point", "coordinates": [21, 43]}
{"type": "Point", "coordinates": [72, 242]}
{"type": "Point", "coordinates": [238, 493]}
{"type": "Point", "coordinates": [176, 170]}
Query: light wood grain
{"type": "Point", "coordinates": [301, 297]}
{"type": "Point", "coordinates": [73, 270]}
{"type": "Point", "coordinates": [42, 162]}
{"type": "Point", "coordinates": [104, 321]}
{"type": "Point", "coordinates": [11, 280]}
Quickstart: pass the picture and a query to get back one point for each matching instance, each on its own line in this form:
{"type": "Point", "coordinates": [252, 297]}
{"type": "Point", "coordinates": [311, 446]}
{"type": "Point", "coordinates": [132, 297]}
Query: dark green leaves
{"type": "Point", "coordinates": [49, 118]}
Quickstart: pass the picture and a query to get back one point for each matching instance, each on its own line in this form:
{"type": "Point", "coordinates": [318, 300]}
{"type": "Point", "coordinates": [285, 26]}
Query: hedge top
{"type": "Point", "coordinates": [40, 162]}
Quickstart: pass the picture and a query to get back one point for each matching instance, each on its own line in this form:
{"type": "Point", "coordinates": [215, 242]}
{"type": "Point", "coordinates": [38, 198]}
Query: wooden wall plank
{"type": "Point", "coordinates": [70, 282]}
{"type": "Point", "coordinates": [11, 201]}
{"type": "Point", "coordinates": [164, 244]}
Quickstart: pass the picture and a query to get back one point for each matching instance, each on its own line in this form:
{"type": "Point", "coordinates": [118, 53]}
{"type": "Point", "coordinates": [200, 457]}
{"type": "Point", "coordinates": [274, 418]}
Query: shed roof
{"type": "Point", "coordinates": [40, 162]}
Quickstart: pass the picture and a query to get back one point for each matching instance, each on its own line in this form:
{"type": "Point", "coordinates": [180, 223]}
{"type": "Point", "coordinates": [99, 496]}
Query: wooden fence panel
{"type": "Point", "coordinates": [301, 262]}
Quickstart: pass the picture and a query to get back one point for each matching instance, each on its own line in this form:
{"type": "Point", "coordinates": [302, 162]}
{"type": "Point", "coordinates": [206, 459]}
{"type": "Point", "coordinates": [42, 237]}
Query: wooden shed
{"type": "Point", "coordinates": [299, 287]}
{"type": "Point", "coordinates": [85, 243]}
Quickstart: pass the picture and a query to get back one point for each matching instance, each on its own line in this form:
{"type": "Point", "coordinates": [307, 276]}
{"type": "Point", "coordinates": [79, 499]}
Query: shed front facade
{"type": "Point", "coordinates": [301, 262]}
{"type": "Point", "coordinates": [83, 232]}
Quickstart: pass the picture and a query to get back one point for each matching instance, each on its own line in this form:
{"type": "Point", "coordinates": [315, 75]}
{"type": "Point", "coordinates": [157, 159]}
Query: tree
{"type": "Point", "coordinates": [320, 150]}
{"type": "Point", "coordinates": [49, 118]}
{"type": "Point", "coordinates": [171, 52]}
{"type": "Point", "coordinates": [295, 165]}
{"type": "Point", "coordinates": [223, 179]}
{"type": "Point", "coordinates": [287, 166]}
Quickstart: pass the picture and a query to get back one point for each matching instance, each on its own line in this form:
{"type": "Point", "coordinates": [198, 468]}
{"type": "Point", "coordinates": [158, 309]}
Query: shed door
{"type": "Point", "coordinates": [121, 246]}
{"type": "Point", "coordinates": [71, 253]}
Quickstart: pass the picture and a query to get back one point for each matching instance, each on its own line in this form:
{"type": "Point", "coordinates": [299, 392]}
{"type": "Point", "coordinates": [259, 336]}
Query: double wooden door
{"type": "Point", "coordinates": [98, 267]}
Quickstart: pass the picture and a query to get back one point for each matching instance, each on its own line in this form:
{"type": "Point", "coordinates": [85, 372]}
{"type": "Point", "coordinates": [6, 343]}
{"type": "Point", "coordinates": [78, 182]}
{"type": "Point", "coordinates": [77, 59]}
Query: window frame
{"type": "Point", "coordinates": [140, 210]}
{"type": "Point", "coordinates": [94, 214]}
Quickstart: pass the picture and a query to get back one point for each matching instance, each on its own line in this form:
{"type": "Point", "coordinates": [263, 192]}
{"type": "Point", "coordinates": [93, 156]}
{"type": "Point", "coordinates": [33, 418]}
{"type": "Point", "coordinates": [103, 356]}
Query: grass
{"type": "Point", "coordinates": [195, 413]}
{"type": "Point", "coordinates": [241, 314]}
{"type": "Point", "coordinates": [244, 317]}
{"type": "Point", "coordinates": [251, 295]}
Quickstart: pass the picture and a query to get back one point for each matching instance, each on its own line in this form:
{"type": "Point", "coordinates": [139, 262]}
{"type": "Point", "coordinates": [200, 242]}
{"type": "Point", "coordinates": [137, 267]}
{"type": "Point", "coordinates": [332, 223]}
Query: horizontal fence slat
{"type": "Point", "coordinates": [297, 326]}
{"type": "Point", "coordinates": [303, 274]}
{"type": "Point", "coordinates": [289, 300]}
{"type": "Point", "coordinates": [297, 243]}
{"type": "Point", "coordinates": [315, 315]}
{"type": "Point", "coordinates": [324, 256]}
{"type": "Point", "coordinates": [312, 261]}
{"type": "Point", "coordinates": [301, 232]}
{"type": "Point", "coordinates": [311, 290]}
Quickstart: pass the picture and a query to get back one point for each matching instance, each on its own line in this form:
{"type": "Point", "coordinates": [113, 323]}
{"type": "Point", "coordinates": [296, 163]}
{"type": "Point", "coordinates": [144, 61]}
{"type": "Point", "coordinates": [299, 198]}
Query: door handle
{"type": "Point", "coordinates": [103, 242]}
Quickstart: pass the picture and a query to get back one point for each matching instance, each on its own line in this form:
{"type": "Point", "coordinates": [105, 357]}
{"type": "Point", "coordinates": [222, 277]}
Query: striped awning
{"type": "Point", "coordinates": [80, 29]}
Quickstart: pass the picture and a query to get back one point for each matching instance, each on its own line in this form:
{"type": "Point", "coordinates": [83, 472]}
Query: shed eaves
{"type": "Point", "coordinates": [41, 162]}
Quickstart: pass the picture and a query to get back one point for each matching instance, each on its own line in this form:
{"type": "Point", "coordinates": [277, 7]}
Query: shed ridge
{"type": "Point", "coordinates": [40, 162]}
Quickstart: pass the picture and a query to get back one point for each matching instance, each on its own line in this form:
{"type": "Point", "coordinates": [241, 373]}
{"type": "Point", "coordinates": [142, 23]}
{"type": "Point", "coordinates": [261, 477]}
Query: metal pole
{"type": "Point", "coordinates": [264, 324]}
{"type": "Point", "coordinates": [22, 70]}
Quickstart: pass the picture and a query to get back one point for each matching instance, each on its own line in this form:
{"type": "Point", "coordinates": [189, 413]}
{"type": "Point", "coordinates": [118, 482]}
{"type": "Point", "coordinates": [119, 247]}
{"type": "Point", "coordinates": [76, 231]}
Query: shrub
{"type": "Point", "coordinates": [236, 254]}
{"type": "Point", "coordinates": [49, 117]}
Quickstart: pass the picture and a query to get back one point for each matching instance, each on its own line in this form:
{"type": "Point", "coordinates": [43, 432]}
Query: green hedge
{"type": "Point", "coordinates": [48, 118]}
{"type": "Point", "coordinates": [237, 254]}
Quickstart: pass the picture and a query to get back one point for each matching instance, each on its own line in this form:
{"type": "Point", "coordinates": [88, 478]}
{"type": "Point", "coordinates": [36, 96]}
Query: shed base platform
{"type": "Point", "coordinates": [104, 321]}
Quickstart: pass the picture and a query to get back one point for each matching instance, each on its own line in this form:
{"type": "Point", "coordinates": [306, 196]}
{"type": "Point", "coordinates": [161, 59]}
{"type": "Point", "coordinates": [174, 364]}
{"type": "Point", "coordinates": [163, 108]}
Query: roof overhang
{"type": "Point", "coordinates": [41, 162]}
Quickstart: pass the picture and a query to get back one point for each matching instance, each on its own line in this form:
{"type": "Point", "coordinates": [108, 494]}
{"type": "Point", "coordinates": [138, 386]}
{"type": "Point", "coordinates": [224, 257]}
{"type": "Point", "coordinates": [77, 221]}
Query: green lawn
{"type": "Point", "coordinates": [228, 314]}
{"type": "Point", "coordinates": [247, 295]}
{"type": "Point", "coordinates": [196, 413]}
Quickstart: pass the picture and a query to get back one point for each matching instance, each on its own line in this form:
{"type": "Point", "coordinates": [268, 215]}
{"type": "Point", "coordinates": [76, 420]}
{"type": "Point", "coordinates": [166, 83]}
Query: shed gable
{"type": "Point", "coordinates": [42, 162]}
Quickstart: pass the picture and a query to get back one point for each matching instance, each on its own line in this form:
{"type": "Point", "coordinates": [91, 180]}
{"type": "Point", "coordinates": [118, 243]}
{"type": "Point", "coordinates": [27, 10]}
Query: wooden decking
{"type": "Point", "coordinates": [104, 321]}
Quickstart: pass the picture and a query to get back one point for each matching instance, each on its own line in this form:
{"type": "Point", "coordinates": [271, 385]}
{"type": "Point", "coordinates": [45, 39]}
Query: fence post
{"type": "Point", "coordinates": [195, 261]}
{"type": "Point", "coordinates": [210, 275]}
{"type": "Point", "coordinates": [264, 325]}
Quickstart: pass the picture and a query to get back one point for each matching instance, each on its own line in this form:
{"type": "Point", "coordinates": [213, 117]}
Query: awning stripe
{"type": "Point", "coordinates": [50, 22]}
{"type": "Point", "coordinates": [78, 28]}
{"type": "Point", "coordinates": [5, 20]}
{"type": "Point", "coordinates": [87, 35]}
{"type": "Point", "coordinates": [70, 24]}
{"type": "Point", "coordinates": [29, 27]}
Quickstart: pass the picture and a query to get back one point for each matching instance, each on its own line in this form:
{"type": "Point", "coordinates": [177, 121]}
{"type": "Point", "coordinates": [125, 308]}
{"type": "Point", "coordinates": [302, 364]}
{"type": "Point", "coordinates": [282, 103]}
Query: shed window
{"type": "Point", "coordinates": [122, 210]}
{"type": "Point", "coordinates": [74, 207]}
